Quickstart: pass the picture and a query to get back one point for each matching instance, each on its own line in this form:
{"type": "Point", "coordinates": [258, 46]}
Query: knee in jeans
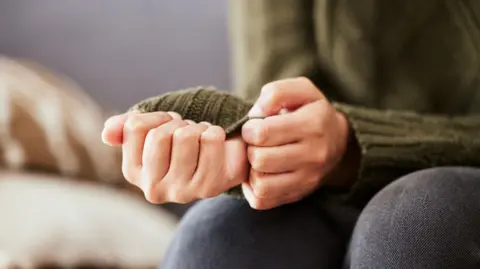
{"type": "Point", "coordinates": [430, 213]}
{"type": "Point", "coordinates": [430, 190]}
{"type": "Point", "coordinates": [210, 221]}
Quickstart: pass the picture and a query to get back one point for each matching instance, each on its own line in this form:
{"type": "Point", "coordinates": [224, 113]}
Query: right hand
{"type": "Point", "coordinates": [174, 160]}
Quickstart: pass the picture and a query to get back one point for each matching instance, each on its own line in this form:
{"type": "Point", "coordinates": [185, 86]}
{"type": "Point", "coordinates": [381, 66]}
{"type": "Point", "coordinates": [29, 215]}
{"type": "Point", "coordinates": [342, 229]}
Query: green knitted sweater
{"type": "Point", "coordinates": [405, 73]}
{"type": "Point", "coordinates": [393, 143]}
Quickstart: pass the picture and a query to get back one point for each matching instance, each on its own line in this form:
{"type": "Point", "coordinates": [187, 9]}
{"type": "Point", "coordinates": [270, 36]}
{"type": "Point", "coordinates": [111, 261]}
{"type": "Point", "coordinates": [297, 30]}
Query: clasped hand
{"type": "Point", "coordinates": [278, 160]}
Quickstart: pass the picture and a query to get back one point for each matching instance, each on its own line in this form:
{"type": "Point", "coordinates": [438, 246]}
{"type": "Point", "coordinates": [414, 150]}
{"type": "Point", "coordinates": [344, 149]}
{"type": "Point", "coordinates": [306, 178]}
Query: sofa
{"type": "Point", "coordinates": [63, 199]}
{"type": "Point", "coordinates": [65, 67]}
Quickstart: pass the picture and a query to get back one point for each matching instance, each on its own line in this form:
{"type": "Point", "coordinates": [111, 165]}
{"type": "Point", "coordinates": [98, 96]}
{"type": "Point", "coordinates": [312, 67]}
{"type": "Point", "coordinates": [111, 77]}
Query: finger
{"type": "Point", "coordinates": [282, 159]}
{"type": "Point", "coordinates": [274, 130]}
{"type": "Point", "coordinates": [210, 162]}
{"type": "Point", "coordinates": [288, 128]}
{"type": "Point", "coordinates": [285, 94]}
{"type": "Point", "coordinates": [260, 203]}
{"type": "Point", "coordinates": [206, 123]}
{"type": "Point", "coordinates": [156, 154]}
{"type": "Point", "coordinates": [275, 185]}
{"type": "Point", "coordinates": [185, 151]}
{"type": "Point", "coordinates": [112, 133]}
{"type": "Point", "coordinates": [135, 130]}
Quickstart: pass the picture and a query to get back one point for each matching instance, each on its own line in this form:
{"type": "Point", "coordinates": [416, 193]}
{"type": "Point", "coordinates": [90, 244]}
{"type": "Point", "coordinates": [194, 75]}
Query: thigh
{"type": "Point", "coordinates": [428, 219]}
{"type": "Point", "coordinates": [225, 233]}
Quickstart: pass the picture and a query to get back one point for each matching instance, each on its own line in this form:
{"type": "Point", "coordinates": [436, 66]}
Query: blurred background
{"type": "Point", "coordinates": [121, 51]}
{"type": "Point", "coordinates": [118, 52]}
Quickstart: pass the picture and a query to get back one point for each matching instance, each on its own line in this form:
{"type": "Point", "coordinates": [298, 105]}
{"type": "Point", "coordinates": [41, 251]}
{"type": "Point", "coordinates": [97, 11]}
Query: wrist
{"type": "Point", "coordinates": [344, 131]}
{"type": "Point", "coordinates": [345, 173]}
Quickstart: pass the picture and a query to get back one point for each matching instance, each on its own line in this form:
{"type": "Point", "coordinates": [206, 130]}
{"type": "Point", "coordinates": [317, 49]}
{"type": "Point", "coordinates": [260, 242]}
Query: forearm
{"type": "Point", "coordinates": [395, 143]}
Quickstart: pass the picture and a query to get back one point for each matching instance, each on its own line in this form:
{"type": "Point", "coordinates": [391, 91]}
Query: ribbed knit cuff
{"type": "Point", "coordinates": [396, 143]}
{"type": "Point", "coordinates": [201, 104]}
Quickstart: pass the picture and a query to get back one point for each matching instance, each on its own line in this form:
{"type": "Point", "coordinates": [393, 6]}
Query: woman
{"type": "Point", "coordinates": [369, 180]}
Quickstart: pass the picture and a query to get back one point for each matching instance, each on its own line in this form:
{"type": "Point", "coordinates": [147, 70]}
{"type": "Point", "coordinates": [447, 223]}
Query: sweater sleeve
{"type": "Point", "coordinates": [272, 40]}
{"type": "Point", "coordinates": [395, 143]}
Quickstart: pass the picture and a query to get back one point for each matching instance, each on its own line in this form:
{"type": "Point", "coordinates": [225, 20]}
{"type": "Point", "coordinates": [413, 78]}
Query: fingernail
{"type": "Point", "coordinates": [104, 139]}
{"type": "Point", "coordinates": [248, 134]}
{"type": "Point", "coordinates": [250, 131]}
{"type": "Point", "coordinates": [175, 115]}
{"type": "Point", "coordinates": [134, 124]}
{"type": "Point", "coordinates": [256, 111]}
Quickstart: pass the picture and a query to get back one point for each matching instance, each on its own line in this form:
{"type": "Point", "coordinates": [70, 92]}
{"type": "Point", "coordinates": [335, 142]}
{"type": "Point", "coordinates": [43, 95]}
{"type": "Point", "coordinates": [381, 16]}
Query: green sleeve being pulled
{"type": "Point", "coordinates": [393, 143]}
{"type": "Point", "coordinates": [203, 104]}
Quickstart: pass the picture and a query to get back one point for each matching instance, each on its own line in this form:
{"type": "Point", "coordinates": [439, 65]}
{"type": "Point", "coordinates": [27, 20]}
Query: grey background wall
{"type": "Point", "coordinates": [122, 50]}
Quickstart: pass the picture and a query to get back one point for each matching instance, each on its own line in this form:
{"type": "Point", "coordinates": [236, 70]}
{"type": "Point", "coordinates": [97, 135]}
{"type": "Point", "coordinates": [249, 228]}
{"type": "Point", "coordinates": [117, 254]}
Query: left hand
{"type": "Point", "coordinates": [176, 160]}
{"type": "Point", "coordinates": [292, 153]}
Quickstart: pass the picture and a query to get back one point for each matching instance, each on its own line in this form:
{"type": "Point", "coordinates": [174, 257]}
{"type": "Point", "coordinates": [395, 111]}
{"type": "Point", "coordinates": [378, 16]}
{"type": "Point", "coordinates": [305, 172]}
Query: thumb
{"type": "Point", "coordinates": [285, 94]}
{"type": "Point", "coordinates": [112, 133]}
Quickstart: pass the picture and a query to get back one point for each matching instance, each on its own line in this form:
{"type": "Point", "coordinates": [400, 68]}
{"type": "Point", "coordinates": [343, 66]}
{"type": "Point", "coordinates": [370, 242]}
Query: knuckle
{"type": "Point", "coordinates": [214, 134]}
{"type": "Point", "coordinates": [176, 195]}
{"type": "Point", "coordinates": [151, 196]}
{"type": "Point", "coordinates": [163, 117]}
{"type": "Point", "coordinates": [134, 123]}
{"type": "Point", "coordinates": [183, 134]}
{"type": "Point", "coordinates": [178, 123]}
{"type": "Point", "coordinates": [206, 123]}
{"type": "Point", "coordinates": [159, 134]}
{"type": "Point", "coordinates": [320, 157]}
{"type": "Point", "coordinates": [153, 199]}
{"type": "Point", "coordinates": [128, 172]}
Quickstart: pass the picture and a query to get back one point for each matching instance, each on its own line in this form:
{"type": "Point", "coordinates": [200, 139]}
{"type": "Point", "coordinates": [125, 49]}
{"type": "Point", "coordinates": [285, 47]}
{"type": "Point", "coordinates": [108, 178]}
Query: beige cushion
{"type": "Point", "coordinates": [45, 219]}
{"type": "Point", "coordinates": [48, 122]}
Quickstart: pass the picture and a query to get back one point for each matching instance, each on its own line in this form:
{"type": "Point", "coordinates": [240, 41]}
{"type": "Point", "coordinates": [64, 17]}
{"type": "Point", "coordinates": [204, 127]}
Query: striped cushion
{"type": "Point", "coordinates": [49, 123]}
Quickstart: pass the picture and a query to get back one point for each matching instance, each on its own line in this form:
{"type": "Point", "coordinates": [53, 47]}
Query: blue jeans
{"type": "Point", "coordinates": [428, 219]}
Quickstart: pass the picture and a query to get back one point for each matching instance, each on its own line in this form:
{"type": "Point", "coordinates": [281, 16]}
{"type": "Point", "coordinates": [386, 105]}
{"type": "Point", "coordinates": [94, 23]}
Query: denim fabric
{"type": "Point", "coordinates": [428, 219]}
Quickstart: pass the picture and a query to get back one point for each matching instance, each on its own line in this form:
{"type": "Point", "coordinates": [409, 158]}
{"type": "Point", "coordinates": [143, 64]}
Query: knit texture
{"type": "Point", "coordinates": [371, 54]}
{"type": "Point", "coordinates": [376, 54]}
{"type": "Point", "coordinates": [393, 143]}
{"type": "Point", "coordinates": [203, 104]}
{"type": "Point", "coordinates": [396, 143]}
